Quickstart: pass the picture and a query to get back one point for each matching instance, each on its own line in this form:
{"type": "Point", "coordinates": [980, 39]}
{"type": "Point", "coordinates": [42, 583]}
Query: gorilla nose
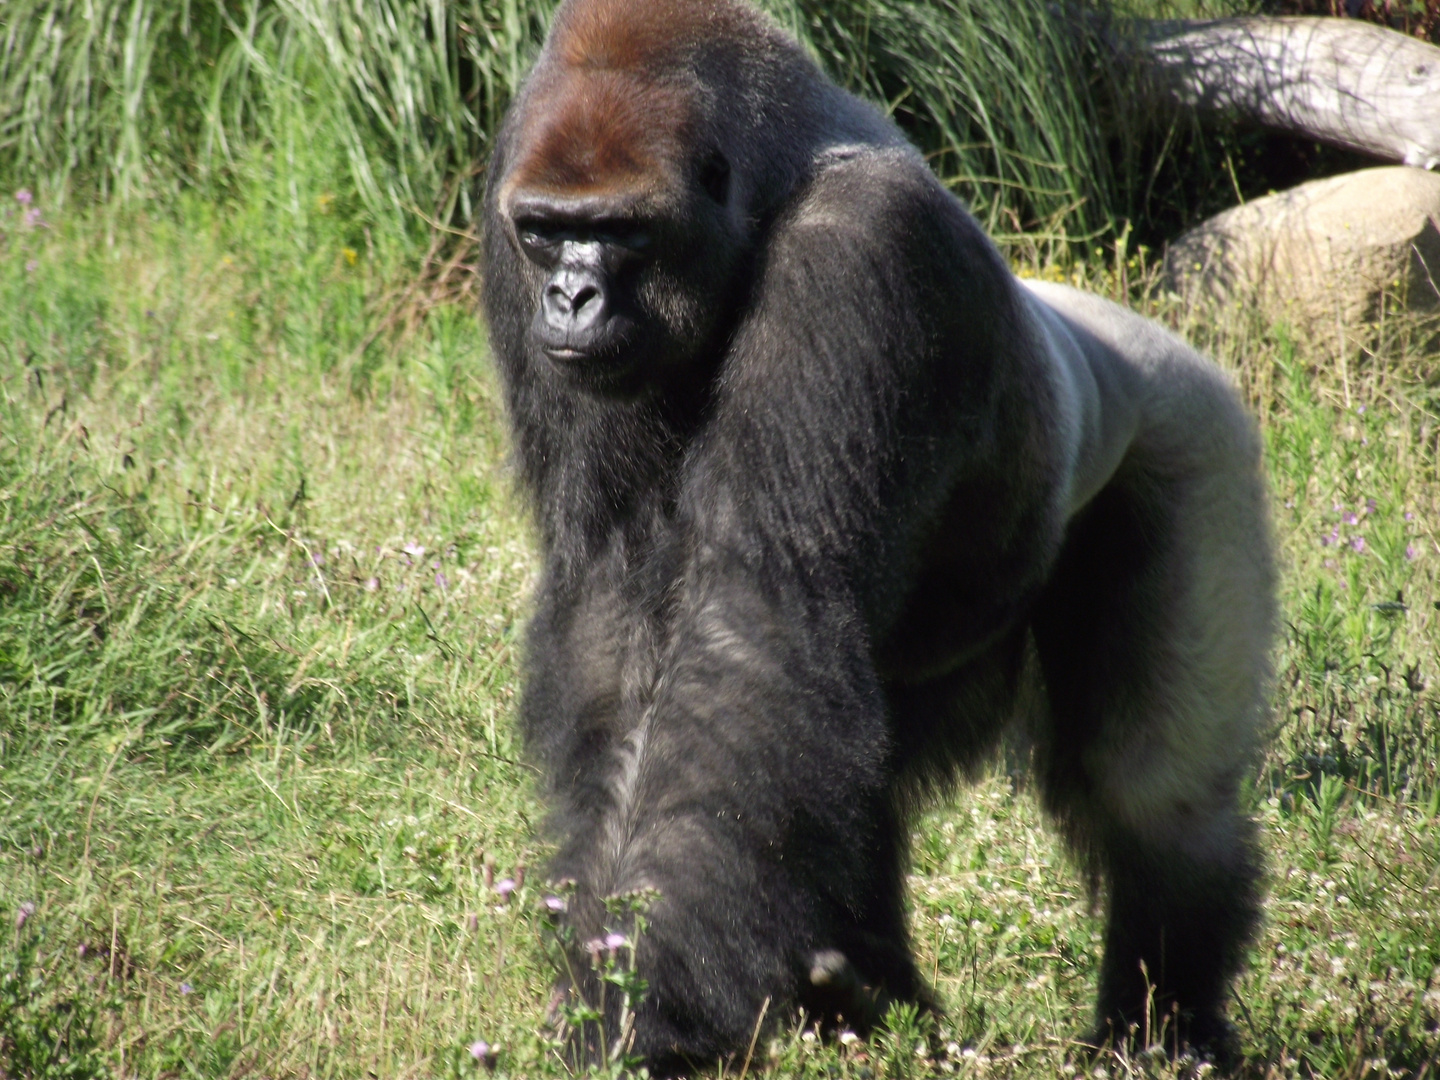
{"type": "Point", "coordinates": [574, 308]}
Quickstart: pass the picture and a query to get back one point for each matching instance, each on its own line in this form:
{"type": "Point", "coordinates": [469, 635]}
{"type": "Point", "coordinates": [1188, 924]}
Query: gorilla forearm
{"type": "Point", "coordinates": [751, 795]}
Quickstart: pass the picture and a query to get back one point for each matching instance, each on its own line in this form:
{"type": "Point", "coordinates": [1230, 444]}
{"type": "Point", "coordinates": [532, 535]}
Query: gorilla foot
{"type": "Point", "coordinates": [1211, 1039]}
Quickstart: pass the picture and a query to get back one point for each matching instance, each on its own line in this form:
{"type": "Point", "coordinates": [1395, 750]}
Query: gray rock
{"type": "Point", "coordinates": [1323, 254]}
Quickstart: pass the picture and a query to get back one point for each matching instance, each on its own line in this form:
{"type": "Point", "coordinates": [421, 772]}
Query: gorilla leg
{"type": "Point", "coordinates": [1177, 923]}
{"type": "Point", "coordinates": [1152, 638]}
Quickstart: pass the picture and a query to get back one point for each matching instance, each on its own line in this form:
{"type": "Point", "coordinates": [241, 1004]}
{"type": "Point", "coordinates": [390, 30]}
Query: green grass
{"type": "Point", "coordinates": [220, 636]}
{"type": "Point", "coordinates": [131, 102]}
{"type": "Point", "coordinates": [258, 771]}
{"type": "Point", "coordinates": [257, 758]}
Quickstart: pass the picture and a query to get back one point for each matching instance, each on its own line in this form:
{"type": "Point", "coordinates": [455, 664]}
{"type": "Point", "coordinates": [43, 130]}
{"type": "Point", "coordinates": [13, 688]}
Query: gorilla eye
{"type": "Point", "coordinates": [537, 243]}
{"type": "Point", "coordinates": [626, 234]}
{"type": "Point", "coordinates": [715, 177]}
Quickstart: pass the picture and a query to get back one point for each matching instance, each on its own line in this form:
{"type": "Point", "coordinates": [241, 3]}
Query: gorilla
{"type": "Point", "coordinates": [827, 500]}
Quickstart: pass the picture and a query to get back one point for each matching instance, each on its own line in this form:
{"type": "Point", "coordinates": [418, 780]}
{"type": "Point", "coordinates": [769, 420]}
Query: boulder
{"type": "Point", "coordinates": [1329, 251]}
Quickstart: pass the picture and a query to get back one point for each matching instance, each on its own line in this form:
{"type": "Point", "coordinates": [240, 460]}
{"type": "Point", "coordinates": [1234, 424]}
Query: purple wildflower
{"type": "Point", "coordinates": [26, 910]}
{"type": "Point", "coordinates": [414, 549]}
{"type": "Point", "coordinates": [33, 218]}
{"type": "Point", "coordinates": [481, 1051]}
{"type": "Point", "coordinates": [371, 584]}
{"type": "Point", "coordinates": [1370, 505]}
{"type": "Point", "coordinates": [1409, 516]}
{"type": "Point", "coordinates": [1360, 409]}
{"type": "Point", "coordinates": [1349, 518]}
{"type": "Point", "coordinates": [186, 988]}
{"type": "Point", "coordinates": [23, 197]}
{"type": "Point", "coordinates": [595, 946]}
{"type": "Point", "coordinates": [555, 904]}
{"type": "Point", "coordinates": [31, 266]}
{"type": "Point", "coordinates": [616, 940]}
{"type": "Point", "coordinates": [1358, 543]}
{"type": "Point", "coordinates": [317, 559]}
{"type": "Point", "coordinates": [442, 582]}
{"type": "Point", "coordinates": [1410, 552]}
{"type": "Point", "coordinates": [505, 887]}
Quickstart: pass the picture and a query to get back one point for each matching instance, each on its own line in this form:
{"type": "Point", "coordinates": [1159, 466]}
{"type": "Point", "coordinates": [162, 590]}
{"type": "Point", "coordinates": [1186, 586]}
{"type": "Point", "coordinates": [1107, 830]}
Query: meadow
{"type": "Point", "coordinates": [263, 582]}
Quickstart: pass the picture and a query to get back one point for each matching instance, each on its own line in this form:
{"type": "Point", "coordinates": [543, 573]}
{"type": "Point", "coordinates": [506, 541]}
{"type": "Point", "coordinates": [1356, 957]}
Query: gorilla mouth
{"type": "Point", "coordinates": [608, 356]}
{"type": "Point", "coordinates": [566, 354]}
{"type": "Point", "coordinates": [601, 356]}
{"type": "Point", "coordinates": [602, 369]}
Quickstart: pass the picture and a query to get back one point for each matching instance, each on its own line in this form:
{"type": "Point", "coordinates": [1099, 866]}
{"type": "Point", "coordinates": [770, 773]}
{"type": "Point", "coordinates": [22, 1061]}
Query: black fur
{"type": "Point", "coordinates": [800, 558]}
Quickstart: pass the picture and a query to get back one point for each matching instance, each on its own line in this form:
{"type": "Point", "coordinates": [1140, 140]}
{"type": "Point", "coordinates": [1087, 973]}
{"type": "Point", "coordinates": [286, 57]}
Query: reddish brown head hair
{"type": "Point", "coordinates": [614, 102]}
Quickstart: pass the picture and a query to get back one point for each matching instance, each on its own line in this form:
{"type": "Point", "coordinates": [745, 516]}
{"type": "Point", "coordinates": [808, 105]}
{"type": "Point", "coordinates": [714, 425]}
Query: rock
{"type": "Point", "coordinates": [1321, 253]}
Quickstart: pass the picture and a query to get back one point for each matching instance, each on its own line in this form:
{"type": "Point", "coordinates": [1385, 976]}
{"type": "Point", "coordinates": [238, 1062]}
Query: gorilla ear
{"type": "Point", "coordinates": [715, 176]}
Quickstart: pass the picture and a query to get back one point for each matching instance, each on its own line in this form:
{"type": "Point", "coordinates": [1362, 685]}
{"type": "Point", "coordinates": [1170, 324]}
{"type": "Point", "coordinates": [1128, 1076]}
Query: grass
{"type": "Point", "coordinates": [260, 576]}
{"type": "Point", "coordinates": [131, 102]}
{"type": "Point", "coordinates": [242, 609]}
{"type": "Point", "coordinates": [139, 99]}
{"type": "Point", "coordinates": [261, 572]}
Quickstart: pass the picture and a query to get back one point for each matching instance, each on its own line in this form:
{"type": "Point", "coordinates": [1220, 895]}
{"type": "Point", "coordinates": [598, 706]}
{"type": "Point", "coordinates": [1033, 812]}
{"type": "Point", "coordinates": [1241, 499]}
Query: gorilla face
{"type": "Point", "coordinates": [629, 287]}
{"type": "Point", "coordinates": [591, 257]}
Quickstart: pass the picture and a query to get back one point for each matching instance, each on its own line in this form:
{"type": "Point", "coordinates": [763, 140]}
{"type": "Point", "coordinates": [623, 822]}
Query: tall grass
{"type": "Point", "coordinates": [139, 98]}
{"type": "Point", "coordinates": [998, 94]}
{"type": "Point", "coordinates": [143, 98]}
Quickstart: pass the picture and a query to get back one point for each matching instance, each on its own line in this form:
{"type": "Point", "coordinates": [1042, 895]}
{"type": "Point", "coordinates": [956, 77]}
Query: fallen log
{"type": "Point", "coordinates": [1340, 81]}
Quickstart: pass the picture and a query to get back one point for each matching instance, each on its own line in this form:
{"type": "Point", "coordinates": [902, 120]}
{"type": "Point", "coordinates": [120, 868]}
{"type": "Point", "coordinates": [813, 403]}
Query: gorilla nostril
{"type": "Point", "coordinates": [558, 300]}
{"type": "Point", "coordinates": [583, 297]}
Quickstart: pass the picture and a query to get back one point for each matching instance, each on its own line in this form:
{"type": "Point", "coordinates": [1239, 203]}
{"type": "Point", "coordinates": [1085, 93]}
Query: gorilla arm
{"type": "Point", "coordinates": [886, 370]}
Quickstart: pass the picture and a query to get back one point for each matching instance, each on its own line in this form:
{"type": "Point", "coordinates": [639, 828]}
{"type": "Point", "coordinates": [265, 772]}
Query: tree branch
{"type": "Point", "coordinates": [1343, 82]}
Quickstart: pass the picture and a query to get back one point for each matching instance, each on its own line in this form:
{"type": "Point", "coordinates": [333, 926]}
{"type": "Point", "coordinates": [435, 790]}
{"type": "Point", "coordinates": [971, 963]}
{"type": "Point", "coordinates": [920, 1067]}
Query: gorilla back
{"type": "Point", "coordinates": [824, 494]}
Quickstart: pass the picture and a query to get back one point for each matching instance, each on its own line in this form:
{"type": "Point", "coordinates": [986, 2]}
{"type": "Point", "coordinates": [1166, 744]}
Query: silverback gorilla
{"type": "Point", "coordinates": [826, 500]}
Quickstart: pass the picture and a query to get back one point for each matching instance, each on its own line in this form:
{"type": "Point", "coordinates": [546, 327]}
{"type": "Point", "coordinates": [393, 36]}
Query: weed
{"type": "Point", "coordinates": [48, 1013]}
